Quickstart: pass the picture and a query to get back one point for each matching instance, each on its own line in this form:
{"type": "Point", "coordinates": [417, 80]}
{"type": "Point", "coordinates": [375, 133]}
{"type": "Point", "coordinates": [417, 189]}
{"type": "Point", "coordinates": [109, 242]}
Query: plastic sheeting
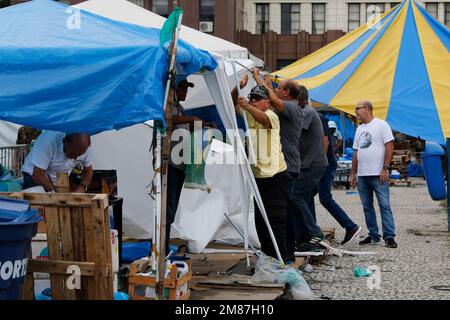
{"type": "Point", "coordinates": [74, 71]}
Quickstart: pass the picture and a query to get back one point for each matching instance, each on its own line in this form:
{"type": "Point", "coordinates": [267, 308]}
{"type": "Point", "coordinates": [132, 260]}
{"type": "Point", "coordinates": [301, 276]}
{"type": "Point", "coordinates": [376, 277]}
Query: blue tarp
{"type": "Point", "coordinates": [73, 71]}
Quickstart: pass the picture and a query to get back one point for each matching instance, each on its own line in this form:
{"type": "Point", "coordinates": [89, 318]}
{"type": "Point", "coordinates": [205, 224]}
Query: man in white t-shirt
{"type": "Point", "coordinates": [55, 152]}
{"type": "Point", "coordinates": [373, 149]}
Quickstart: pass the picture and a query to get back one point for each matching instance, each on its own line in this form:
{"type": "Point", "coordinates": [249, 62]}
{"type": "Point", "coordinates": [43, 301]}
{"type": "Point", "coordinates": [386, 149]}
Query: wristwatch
{"type": "Point", "coordinates": [386, 168]}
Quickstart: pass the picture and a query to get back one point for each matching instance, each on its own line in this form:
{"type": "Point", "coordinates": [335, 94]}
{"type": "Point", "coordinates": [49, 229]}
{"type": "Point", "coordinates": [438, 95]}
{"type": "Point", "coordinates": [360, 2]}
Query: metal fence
{"type": "Point", "coordinates": [12, 158]}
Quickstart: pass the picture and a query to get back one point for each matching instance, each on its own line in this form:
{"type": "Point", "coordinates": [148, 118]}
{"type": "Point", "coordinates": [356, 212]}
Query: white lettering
{"type": "Point", "coordinates": [6, 270]}
{"type": "Point", "coordinates": [17, 266]}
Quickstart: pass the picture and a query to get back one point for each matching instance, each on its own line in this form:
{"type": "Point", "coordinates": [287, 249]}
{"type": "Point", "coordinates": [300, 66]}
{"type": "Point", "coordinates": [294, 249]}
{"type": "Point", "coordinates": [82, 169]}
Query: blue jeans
{"type": "Point", "coordinates": [366, 186]}
{"type": "Point", "coordinates": [301, 223]}
{"type": "Point", "coordinates": [326, 199]}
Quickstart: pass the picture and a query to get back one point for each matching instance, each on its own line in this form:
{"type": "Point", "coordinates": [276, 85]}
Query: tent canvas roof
{"type": "Point", "coordinates": [400, 63]}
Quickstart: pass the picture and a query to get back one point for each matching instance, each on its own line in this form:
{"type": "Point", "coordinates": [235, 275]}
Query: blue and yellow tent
{"type": "Point", "coordinates": [401, 64]}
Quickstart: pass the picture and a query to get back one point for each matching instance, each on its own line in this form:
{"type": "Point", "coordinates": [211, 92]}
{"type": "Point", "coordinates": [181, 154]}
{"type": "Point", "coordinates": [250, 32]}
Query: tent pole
{"type": "Point", "coordinates": [448, 189]}
{"type": "Point", "coordinates": [168, 101]}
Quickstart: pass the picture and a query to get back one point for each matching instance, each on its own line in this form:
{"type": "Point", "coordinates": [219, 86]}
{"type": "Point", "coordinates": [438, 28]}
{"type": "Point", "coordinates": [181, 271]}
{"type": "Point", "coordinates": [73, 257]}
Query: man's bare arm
{"type": "Point", "coordinates": [275, 102]}
{"type": "Point", "coordinates": [389, 153]}
{"type": "Point", "coordinates": [41, 178]}
{"type": "Point", "coordinates": [257, 114]}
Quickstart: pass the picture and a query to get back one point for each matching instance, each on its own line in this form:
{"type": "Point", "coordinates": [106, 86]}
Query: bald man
{"type": "Point", "coordinates": [373, 149]}
{"type": "Point", "coordinates": [55, 152]}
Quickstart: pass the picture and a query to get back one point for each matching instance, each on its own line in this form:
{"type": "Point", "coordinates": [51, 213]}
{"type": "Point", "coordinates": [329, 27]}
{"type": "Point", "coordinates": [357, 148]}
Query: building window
{"type": "Point", "coordinates": [140, 3]}
{"type": "Point", "coordinates": [160, 7]}
{"type": "Point", "coordinates": [432, 9]}
{"type": "Point", "coordinates": [374, 9]}
{"type": "Point", "coordinates": [262, 18]}
{"type": "Point", "coordinates": [4, 3]}
{"type": "Point", "coordinates": [318, 18]}
{"type": "Point", "coordinates": [207, 10]}
{"type": "Point", "coordinates": [353, 16]}
{"type": "Point", "coordinates": [290, 18]}
{"type": "Point", "coordinates": [284, 63]}
{"type": "Point", "coordinates": [394, 4]}
{"type": "Point", "coordinates": [447, 15]}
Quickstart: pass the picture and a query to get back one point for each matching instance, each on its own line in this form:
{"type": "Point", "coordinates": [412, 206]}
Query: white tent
{"type": "Point", "coordinates": [200, 216]}
{"type": "Point", "coordinates": [125, 11]}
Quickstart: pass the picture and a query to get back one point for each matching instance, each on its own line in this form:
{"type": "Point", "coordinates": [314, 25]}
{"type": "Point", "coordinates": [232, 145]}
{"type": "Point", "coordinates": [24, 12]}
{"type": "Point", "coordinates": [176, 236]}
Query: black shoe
{"type": "Point", "coordinates": [350, 235]}
{"type": "Point", "coordinates": [369, 240]}
{"type": "Point", "coordinates": [390, 243]}
{"type": "Point", "coordinates": [306, 247]}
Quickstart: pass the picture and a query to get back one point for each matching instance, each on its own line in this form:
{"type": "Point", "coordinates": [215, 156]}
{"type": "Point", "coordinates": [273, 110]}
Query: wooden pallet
{"type": "Point", "coordinates": [142, 287]}
{"type": "Point", "coordinates": [78, 234]}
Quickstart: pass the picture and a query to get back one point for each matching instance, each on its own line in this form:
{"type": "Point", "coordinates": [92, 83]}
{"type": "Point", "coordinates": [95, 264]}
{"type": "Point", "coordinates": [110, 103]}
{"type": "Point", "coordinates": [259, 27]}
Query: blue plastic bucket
{"type": "Point", "coordinates": [16, 231]}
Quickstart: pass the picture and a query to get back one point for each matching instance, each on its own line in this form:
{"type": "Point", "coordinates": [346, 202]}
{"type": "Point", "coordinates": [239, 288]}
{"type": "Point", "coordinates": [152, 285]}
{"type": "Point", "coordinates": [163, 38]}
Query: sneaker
{"type": "Point", "coordinates": [390, 243]}
{"type": "Point", "coordinates": [306, 247]}
{"type": "Point", "coordinates": [369, 240]}
{"type": "Point", "coordinates": [351, 235]}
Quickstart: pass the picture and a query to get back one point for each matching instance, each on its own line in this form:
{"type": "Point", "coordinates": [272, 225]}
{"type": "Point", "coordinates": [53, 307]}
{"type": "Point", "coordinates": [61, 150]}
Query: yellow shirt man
{"type": "Point", "coordinates": [266, 146]}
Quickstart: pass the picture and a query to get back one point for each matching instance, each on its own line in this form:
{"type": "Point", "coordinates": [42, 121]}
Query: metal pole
{"type": "Point", "coordinates": [448, 189]}
{"type": "Point", "coordinates": [168, 100]}
{"type": "Point", "coordinates": [241, 234]}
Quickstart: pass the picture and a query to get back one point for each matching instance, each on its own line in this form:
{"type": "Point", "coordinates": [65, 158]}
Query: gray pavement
{"type": "Point", "coordinates": [421, 261]}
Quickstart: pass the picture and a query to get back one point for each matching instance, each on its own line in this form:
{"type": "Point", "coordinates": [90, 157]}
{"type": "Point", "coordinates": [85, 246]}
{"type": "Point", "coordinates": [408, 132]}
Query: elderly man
{"type": "Point", "coordinates": [55, 152]}
{"type": "Point", "coordinates": [373, 149]}
{"type": "Point", "coordinates": [269, 169]}
{"type": "Point", "coordinates": [283, 101]}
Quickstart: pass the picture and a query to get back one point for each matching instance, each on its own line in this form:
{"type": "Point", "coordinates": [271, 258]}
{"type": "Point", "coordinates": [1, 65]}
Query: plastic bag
{"type": "Point", "coordinates": [269, 269]}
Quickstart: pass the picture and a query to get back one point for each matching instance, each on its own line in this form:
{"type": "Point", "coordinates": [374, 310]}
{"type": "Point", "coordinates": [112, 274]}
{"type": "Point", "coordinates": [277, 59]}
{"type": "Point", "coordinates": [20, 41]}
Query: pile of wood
{"type": "Point", "coordinates": [400, 162]}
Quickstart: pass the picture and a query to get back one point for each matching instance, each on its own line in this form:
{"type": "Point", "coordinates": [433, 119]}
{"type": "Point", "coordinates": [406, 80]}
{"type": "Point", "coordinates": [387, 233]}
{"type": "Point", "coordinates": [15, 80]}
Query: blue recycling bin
{"type": "Point", "coordinates": [432, 167]}
{"type": "Point", "coordinates": [18, 224]}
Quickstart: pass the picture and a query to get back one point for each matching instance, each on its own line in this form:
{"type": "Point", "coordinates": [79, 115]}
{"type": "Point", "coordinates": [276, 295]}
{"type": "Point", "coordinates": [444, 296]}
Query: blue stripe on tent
{"type": "Point", "coordinates": [442, 32]}
{"type": "Point", "coordinates": [341, 56]}
{"type": "Point", "coordinates": [410, 110]}
{"type": "Point", "coordinates": [326, 92]}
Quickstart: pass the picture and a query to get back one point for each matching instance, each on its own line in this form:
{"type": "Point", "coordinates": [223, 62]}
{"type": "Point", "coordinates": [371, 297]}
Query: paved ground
{"type": "Point", "coordinates": [421, 261]}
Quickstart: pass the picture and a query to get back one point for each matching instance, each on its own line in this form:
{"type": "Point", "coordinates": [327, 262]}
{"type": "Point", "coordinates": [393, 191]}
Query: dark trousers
{"type": "Point", "coordinates": [301, 222]}
{"type": "Point", "coordinates": [273, 192]}
{"type": "Point", "coordinates": [326, 199]}
{"type": "Point", "coordinates": [175, 181]}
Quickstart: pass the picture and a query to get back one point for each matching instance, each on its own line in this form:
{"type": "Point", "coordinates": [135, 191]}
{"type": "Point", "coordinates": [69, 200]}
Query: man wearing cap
{"type": "Point", "coordinates": [335, 136]}
{"type": "Point", "coordinates": [176, 169]}
{"type": "Point", "coordinates": [283, 100]}
{"type": "Point", "coordinates": [269, 169]}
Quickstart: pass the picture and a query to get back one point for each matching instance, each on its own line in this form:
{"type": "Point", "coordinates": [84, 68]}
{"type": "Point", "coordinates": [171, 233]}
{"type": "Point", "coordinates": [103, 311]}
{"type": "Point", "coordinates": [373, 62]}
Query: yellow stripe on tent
{"type": "Point", "coordinates": [437, 61]}
{"type": "Point", "coordinates": [320, 79]}
{"type": "Point", "coordinates": [373, 79]}
{"type": "Point", "coordinates": [320, 56]}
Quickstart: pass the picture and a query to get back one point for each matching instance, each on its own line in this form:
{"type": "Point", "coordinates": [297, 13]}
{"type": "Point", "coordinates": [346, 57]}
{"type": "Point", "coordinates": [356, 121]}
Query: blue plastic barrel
{"type": "Point", "coordinates": [432, 167]}
{"type": "Point", "coordinates": [16, 230]}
